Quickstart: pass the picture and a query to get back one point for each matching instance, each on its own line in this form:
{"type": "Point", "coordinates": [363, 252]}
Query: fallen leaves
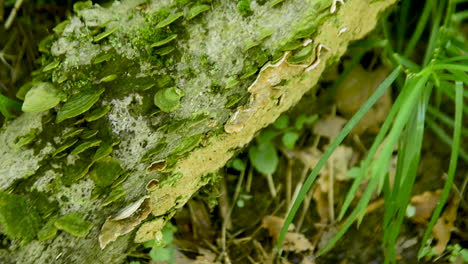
{"type": "Point", "coordinates": [293, 241]}
{"type": "Point", "coordinates": [354, 91]}
{"type": "Point", "coordinates": [424, 205]}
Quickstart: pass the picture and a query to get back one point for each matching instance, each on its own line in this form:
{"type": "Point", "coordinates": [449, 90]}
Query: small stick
{"type": "Point", "coordinates": [12, 15]}
{"type": "Point", "coordinates": [271, 185]}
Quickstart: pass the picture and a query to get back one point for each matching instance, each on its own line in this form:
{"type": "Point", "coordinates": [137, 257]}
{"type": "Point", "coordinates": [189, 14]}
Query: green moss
{"type": "Point", "coordinates": [78, 170]}
{"type": "Point", "coordinates": [244, 7]}
{"type": "Point", "coordinates": [18, 217]}
{"type": "Point", "coordinates": [154, 151]}
{"type": "Point", "coordinates": [73, 224]}
{"type": "Point", "coordinates": [168, 99]}
{"type": "Point", "coordinates": [187, 144]}
{"type": "Point", "coordinates": [196, 10]}
{"type": "Point", "coordinates": [86, 145]}
{"type": "Point", "coordinates": [115, 195]}
{"type": "Point", "coordinates": [41, 97]}
{"type": "Point", "coordinates": [105, 171]}
{"type": "Point", "coordinates": [79, 103]}
{"type": "Point", "coordinates": [24, 140]}
{"type": "Point", "coordinates": [48, 231]}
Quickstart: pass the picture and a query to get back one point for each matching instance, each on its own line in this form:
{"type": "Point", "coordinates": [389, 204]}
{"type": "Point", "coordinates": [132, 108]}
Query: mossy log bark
{"type": "Point", "coordinates": [137, 103]}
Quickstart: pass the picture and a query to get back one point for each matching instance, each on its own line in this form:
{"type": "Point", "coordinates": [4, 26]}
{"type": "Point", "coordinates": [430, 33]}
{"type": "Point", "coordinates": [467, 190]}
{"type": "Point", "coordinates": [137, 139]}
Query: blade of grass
{"type": "Point", "coordinates": [423, 21]}
{"type": "Point", "coordinates": [344, 132]}
{"type": "Point", "coordinates": [453, 67]}
{"type": "Point", "coordinates": [402, 22]}
{"type": "Point", "coordinates": [371, 153]}
{"type": "Point", "coordinates": [9, 106]}
{"type": "Point", "coordinates": [381, 165]}
{"type": "Point", "coordinates": [435, 37]}
{"type": "Point", "coordinates": [444, 137]}
{"type": "Point", "coordinates": [406, 176]}
{"type": "Point", "coordinates": [452, 165]}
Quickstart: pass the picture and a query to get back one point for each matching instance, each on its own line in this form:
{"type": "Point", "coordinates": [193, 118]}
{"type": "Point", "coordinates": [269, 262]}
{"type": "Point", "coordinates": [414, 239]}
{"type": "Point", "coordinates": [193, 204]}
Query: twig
{"type": "Point", "coordinates": [288, 183]}
{"type": "Point", "coordinates": [228, 217]}
{"type": "Point", "coordinates": [271, 185]}
{"type": "Point", "coordinates": [12, 15]}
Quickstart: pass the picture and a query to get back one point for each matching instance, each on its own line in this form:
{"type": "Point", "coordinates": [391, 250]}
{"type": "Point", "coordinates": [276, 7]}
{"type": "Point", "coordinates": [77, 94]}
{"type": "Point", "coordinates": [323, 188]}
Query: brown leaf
{"type": "Point", "coordinates": [445, 224]}
{"type": "Point", "coordinates": [293, 241]}
{"type": "Point", "coordinates": [274, 224]}
{"type": "Point", "coordinates": [424, 204]}
{"type": "Point", "coordinates": [354, 91]}
{"type": "Point", "coordinates": [125, 221]}
{"type": "Point", "coordinates": [329, 126]}
{"type": "Point", "coordinates": [338, 163]}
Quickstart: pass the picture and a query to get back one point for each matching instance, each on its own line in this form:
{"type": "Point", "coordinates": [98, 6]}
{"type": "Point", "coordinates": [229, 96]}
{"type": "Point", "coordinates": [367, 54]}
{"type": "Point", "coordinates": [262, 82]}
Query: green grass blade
{"type": "Point", "coordinates": [445, 119]}
{"type": "Point", "coordinates": [360, 207]}
{"type": "Point", "coordinates": [344, 132]}
{"type": "Point", "coordinates": [8, 107]}
{"type": "Point", "coordinates": [381, 165]}
{"type": "Point", "coordinates": [405, 175]}
{"type": "Point", "coordinates": [402, 22]}
{"type": "Point", "coordinates": [444, 137]}
{"type": "Point", "coordinates": [402, 60]}
{"type": "Point", "coordinates": [452, 165]}
{"type": "Point", "coordinates": [423, 21]}
{"type": "Point", "coordinates": [453, 67]}
{"type": "Point", "coordinates": [371, 153]}
{"type": "Point", "coordinates": [460, 58]}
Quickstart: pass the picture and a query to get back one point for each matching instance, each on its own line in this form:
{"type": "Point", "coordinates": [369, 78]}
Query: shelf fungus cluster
{"type": "Point", "coordinates": [135, 104]}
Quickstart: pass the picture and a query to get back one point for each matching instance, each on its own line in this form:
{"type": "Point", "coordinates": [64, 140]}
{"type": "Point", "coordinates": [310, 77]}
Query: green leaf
{"type": "Point", "coordinates": [27, 138]}
{"type": "Point", "coordinates": [114, 195]}
{"type": "Point", "coordinates": [105, 171]}
{"type": "Point", "coordinates": [464, 254]}
{"type": "Point", "coordinates": [76, 171]}
{"type": "Point", "coordinates": [171, 18]}
{"type": "Point", "coordinates": [264, 158]}
{"type": "Point", "coordinates": [79, 104]}
{"type": "Point", "coordinates": [8, 107]}
{"type": "Point", "coordinates": [289, 139]}
{"type": "Point", "coordinates": [196, 10]}
{"type": "Point", "coordinates": [187, 144]}
{"type": "Point", "coordinates": [303, 119]}
{"type": "Point", "coordinates": [163, 254]}
{"type": "Point", "coordinates": [154, 151]}
{"type": "Point", "coordinates": [41, 97]}
{"type": "Point", "coordinates": [164, 41]}
{"type": "Point", "coordinates": [168, 233]}
{"type": "Point", "coordinates": [48, 231]}
{"type": "Point", "coordinates": [103, 151]}
{"type": "Point", "coordinates": [238, 164]}
{"type": "Point", "coordinates": [86, 145]}
{"type": "Point", "coordinates": [18, 217]}
{"type": "Point", "coordinates": [282, 122]}
{"type": "Point", "coordinates": [168, 99]}
{"type": "Point", "coordinates": [74, 224]}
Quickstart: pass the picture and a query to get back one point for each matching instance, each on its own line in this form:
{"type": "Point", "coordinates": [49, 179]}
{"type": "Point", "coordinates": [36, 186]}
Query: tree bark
{"type": "Point", "coordinates": [138, 103]}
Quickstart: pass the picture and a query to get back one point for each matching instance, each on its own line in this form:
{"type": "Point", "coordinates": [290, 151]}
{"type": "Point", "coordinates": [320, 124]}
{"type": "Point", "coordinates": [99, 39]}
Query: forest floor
{"type": "Point", "coordinates": [238, 218]}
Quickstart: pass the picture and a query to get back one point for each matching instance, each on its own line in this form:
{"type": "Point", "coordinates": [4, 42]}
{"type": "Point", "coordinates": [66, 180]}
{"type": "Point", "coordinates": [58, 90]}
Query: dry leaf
{"type": "Point", "coordinates": [308, 156]}
{"type": "Point", "coordinates": [293, 241]}
{"type": "Point", "coordinates": [125, 221]}
{"type": "Point", "coordinates": [354, 91]}
{"type": "Point", "coordinates": [338, 163]}
{"type": "Point", "coordinates": [424, 204]}
{"type": "Point", "coordinates": [445, 224]}
{"type": "Point", "coordinates": [321, 201]}
{"type": "Point", "coordinates": [296, 242]}
{"type": "Point", "coordinates": [329, 126]}
{"type": "Point", "coordinates": [274, 224]}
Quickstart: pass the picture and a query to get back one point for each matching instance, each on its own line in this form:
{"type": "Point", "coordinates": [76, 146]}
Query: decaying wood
{"type": "Point", "coordinates": [165, 152]}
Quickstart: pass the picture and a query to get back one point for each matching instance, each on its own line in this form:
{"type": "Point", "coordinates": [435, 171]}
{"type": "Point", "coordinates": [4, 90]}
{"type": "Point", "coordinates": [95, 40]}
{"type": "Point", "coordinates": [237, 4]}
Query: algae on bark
{"type": "Point", "coordinates": [104, 153]}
